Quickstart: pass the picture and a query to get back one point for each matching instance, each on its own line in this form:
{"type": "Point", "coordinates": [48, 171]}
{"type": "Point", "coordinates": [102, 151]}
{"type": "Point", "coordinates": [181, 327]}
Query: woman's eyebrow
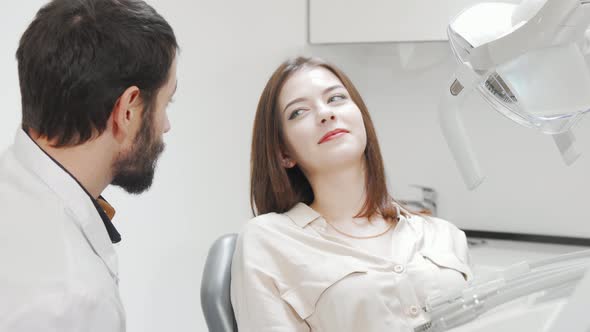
{"type": "Point", "coordinates": [294, 101]}
{"type": "Point", "coordinates": [334, 87]}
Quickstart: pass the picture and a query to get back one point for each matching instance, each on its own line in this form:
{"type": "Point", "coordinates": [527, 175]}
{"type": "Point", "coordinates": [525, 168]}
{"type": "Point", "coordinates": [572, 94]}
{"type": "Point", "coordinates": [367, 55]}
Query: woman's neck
{"type": "Point", "coordinates": [339, 194]}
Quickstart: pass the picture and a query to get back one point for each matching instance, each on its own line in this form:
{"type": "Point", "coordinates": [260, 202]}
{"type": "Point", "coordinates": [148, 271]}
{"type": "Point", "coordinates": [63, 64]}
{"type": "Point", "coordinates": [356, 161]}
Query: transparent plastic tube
{"type": "Point", "coordinates": [493, 281]}
{"type": "Point", "coordinates": [476, 306]}
{"type": "Point", "coordinates": [476, 300]}
{"type": "Point", "coordinates": [560, 259]}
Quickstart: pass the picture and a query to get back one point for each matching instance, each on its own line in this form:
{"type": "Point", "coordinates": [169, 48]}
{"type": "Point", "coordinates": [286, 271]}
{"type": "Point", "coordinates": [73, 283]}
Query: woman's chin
{"type": "Point", "coordinates": [340, 159]}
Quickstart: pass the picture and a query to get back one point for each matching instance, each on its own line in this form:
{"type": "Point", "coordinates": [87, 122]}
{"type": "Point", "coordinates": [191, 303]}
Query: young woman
{"type": "Point", "coordinates": [330, 249]}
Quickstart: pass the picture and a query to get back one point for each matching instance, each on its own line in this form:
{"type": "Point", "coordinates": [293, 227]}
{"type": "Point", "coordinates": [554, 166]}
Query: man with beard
{"type": "Point", "coordinates": [96, 77]}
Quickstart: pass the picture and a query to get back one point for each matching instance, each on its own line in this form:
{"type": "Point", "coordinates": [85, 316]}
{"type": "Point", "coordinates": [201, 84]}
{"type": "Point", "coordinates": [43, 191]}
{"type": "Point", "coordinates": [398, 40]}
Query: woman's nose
{"type": "Point", "coordinates": [325, 118]}
{"type": "Point", "coordinates": [326, 113]}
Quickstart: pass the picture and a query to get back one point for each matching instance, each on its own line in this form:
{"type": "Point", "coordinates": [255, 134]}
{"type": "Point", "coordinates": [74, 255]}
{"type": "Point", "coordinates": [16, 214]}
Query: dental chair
{"type": "Point", "coordinates": [215, 286]}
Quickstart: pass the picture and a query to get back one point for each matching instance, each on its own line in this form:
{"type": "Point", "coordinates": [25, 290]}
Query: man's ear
{"type": "Point", "coordinates": [126, 115]}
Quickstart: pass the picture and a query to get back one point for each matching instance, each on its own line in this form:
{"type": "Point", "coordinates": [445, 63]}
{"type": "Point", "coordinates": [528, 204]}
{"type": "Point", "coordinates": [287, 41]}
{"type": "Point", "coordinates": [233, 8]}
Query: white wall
{"type": "Point", "coordinates": [201, 188]}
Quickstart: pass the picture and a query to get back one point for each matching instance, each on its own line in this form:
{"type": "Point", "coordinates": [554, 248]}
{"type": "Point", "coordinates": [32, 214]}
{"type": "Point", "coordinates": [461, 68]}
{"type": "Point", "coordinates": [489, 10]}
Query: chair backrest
{"type": "Point", "coordinates": [215, 286]}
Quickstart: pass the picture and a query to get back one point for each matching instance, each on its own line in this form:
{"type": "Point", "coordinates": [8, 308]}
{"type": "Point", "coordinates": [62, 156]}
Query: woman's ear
{"type": "Point", "coordinates": [286, 161]}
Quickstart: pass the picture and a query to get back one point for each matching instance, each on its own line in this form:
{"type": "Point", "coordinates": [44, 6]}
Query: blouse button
{"type": "Point", "coordinates": [414, 311]}
{"type": "Point", "coordinates": [398, 268]}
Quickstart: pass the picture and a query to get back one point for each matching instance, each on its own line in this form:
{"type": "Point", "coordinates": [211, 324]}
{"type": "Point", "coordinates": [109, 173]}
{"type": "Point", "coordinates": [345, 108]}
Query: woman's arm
{"type": "Point", "coordinates": [256, 301]}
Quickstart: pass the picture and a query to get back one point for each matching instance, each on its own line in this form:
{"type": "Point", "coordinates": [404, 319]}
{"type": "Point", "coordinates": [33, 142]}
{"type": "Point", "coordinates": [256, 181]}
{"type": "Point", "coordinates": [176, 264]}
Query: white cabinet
{"type": "Point", "coordinates": [368, 21]}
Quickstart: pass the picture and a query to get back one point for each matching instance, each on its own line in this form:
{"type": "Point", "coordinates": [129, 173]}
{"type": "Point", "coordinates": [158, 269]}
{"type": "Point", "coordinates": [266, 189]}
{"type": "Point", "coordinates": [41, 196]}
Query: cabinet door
{"type": "Point", "coordinates": [366, 21]}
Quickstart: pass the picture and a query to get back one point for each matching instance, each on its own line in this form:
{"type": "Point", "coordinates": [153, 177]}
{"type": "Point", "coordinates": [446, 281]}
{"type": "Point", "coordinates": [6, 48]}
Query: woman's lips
{"type": "Point", "coordinates": [332, 135]}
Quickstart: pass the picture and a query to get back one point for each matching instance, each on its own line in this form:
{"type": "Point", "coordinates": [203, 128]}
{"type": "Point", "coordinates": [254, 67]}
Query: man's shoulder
{"type": "Point", "coordinates": [20, 188]}
{"type": "Point", "coordinates": [15, 177]}
{"type": "Point", "coordinates": [29, 210]}
{"type": "Point", "coordinates": [24, 199]}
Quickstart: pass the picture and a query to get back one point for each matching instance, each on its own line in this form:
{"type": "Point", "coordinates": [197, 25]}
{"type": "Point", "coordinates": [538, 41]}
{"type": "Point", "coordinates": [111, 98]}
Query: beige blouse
{"type": "Point", "coordinates": [289, 275]}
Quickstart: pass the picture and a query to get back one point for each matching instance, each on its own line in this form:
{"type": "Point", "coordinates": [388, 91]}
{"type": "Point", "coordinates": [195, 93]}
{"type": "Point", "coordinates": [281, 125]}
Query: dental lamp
{"type": "Point", "coordinates": [526, 60]}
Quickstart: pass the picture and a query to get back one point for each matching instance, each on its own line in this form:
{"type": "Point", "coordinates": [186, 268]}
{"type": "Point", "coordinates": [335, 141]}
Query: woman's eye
{"type": "Point", "coordinates": [295, 113]}
{"type": "Point", "coordinates": [336, 98]}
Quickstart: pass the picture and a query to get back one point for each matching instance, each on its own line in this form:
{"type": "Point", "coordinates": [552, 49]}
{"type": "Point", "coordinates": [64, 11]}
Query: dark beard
{"type": "Point", "coordinates": [134, 171]}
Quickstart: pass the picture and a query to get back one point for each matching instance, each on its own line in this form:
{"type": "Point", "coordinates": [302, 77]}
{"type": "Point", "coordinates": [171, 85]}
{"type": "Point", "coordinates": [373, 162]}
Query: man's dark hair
{"type": "Point", "coordinates": [78, 56]}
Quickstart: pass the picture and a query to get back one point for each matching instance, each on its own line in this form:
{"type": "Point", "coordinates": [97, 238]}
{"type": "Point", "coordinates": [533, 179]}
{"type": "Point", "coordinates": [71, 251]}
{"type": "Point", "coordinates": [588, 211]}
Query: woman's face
{"type": "Point", "coordinates": [322, 126]}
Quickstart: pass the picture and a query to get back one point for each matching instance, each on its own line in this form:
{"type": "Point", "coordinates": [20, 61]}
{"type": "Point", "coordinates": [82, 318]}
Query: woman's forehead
{"type": "Point", "coordinates": [307, 81]}
{"type": "Point", "coordinates": [314, 76]}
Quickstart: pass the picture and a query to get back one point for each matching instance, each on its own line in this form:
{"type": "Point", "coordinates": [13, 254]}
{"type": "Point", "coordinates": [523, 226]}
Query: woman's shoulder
{"type": "Point", "coordinates": [430, 226]}
{"type": "Point", "coordinates": [440, 238]}
{"type": "Point", "coordinates": [292, 220]}
{"type": "Point", "coordinates": [265, 223]}
{"type": "Point", "coordinates": [272, 240]}
{"type": "Point", "coordinates": [437, 234]}
{"type": "Point", "coordinates": [270, 229]}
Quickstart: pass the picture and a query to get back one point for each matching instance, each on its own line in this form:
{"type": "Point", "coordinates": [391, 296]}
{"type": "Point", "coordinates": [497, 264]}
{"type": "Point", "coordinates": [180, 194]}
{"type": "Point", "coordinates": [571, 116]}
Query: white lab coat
{"type": "Point", "coordinates": [58, 267]}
